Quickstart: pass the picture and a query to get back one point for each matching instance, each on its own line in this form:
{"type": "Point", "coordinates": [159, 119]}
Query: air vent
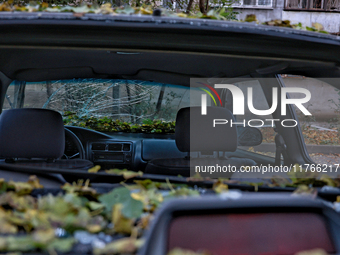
{"type": "Point", "coordinates": [115, 147]}
{"type": "Point", "coordinates": [98, 146]}
{"type": "Point", "coordinates": [126, 147]}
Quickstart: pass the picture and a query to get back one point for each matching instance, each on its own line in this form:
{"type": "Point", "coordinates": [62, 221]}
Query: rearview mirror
{"type": "Point", "coordinates": [249, 136]}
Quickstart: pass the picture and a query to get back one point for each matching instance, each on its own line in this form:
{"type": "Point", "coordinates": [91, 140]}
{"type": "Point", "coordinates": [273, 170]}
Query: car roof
{"type": "Point", "coordinates": [46, 46]}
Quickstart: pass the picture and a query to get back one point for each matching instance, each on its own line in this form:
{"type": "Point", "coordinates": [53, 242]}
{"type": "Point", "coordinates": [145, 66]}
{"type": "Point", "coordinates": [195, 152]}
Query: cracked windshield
{"type": "Point", "coordinates": [105, 105]}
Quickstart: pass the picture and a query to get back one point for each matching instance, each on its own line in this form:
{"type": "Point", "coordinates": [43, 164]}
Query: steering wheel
{"type": "Point", "coordinates": [75, 140]}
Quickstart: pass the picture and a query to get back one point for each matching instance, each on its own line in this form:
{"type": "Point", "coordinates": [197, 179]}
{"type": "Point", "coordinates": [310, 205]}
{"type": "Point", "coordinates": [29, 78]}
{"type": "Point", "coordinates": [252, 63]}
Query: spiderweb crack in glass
{"type": "Point", "coordinates": [113, 98]}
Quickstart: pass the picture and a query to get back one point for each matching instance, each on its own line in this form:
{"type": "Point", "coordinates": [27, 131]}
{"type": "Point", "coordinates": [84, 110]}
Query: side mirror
{"type": "Point", "coordinates": [249, 136]}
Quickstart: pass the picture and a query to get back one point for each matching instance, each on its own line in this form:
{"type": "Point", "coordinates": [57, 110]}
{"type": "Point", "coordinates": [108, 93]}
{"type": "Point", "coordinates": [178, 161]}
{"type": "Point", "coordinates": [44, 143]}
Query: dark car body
{"type": "Point", "coordinates": [40, 46]}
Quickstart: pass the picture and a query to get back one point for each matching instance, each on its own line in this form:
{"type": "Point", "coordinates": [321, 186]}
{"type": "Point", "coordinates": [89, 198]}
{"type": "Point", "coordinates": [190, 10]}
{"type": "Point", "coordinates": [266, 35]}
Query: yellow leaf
{"type": "Point", "coordinates": [220, 187]}
{"type": "Point", "coordinates": [106, 8]}
{"type": "Point", "coordinates": [126, 245]}
{"type": "Point", "coordinates": [328, 180]}
{"type": "Point", "coordinates": [182, 15]}
{"type": "Point", "coordinates": [317, 26]}
{"type": "Point", "coordinates": [93, 228]}
{"type": "Point", "coordinates": [137, 196]}
{"type": "Point", "coordinates": [21, 188]}
{"type": "Point", "coordinates": [126, 173]}
{"type": "Point", "coordinates": [121, 224]}
{"type": "Point", "coordinates": [5, 7]}
{"type": "Point", "coordinates": [34, 182]}
{"type": "Point", "coordinates": [8, 228]}
{"type": "Point", "coordinates": [94, 169]}
{"type": "Point", "coordinates": [145, 11]}
{"type": "Point", "coordinates": [44, 236]}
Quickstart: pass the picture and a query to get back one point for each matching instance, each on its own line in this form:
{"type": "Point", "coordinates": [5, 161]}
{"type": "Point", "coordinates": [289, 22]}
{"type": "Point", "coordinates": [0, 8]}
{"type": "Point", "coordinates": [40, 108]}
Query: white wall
{"type": "Point", "coordinates": [329, 20]}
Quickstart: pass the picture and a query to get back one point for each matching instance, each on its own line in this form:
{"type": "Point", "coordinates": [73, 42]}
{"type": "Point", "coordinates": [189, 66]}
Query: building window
{"type": "Point", "coordinates": [254, 3]}
{"type": "Point", "coordinates": [321, 5]}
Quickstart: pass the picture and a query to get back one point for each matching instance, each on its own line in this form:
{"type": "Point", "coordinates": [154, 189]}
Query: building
{"type": "Point", "coordinates": [325, 12]}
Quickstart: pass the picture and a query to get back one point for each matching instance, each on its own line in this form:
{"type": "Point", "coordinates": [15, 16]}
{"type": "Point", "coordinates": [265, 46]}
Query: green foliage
{"type": "Point", "coordinates": [214, 9]}
{"type": "Point", "coordinates": [106, 124]}
{"type": "Point", "coordinates": [316, 27]}
{"type": "Point", "coordinates": [29, 223]}
{"type": "Point", "coordinates": [131, 208]}
{"type": "Point", "coordinates": [202, 9]}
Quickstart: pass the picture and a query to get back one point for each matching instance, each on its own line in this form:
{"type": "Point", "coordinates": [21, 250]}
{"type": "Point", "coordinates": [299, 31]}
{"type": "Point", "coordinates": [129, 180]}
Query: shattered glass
{"type": "Point", "coordinates": [127, 100]}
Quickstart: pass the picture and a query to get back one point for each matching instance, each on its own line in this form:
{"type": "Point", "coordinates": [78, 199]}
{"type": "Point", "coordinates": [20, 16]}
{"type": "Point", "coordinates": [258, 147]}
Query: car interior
{"type": "Point", "coordinates": [158, 155]}
{"type": "Point", "coordinates": [164, 58]}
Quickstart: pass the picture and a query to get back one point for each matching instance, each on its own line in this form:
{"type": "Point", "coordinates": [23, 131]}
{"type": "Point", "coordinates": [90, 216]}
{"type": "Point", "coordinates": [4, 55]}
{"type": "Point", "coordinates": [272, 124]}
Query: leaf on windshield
{"type": "Point", "coordinates": [5, 226]}
{"type": "Point", "coordinates": [94, 169]}
{"type": "Point", "coordinates": [131, 208]}
{"type": "Point", "coordinates": [16, 201]}
{"type": "Point", "coordinates": [96, 224]}
{"type": "Point", "coordinates": [122, 246]}
{"type": "Point", "coordinates": [220, 187]}
{"type": "Point", "coordinates": [43, 236]}
{"type": "Point", "coordinates": [21, 188]}
{"type": "Point", "coordinates": [183, 192]}
{"type": "Point", "coordinates": [280, 181]}
{"type": "Point", "coordinates": [80, 188]}
{"type": "Point", "coordinates": [34, 182]}
{"type": "Point", "coordinates": [62, 244]}
{"type": "Point", "coordinates": [94, 206]}
{"type": "Point", "coordinates": [31, 242]}
{"type": "Point", "coordinates": [151, 198]}
{"type": "Point", "coordinates": [121, 224]}
{"type": "Point", "coordinates": [300, 176]}
{"type": "Point", "coordinates": [305, 190]}
{"type": "Point", "coordinates": [125, 173]}
{"type": "Point", "coordinates": [334, 182]}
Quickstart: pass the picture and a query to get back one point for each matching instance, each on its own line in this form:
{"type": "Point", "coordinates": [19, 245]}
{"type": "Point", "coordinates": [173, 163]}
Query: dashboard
{"type": "Point", "coordinates": [133, 151]}
{"type": "Point", "coordinates": [123, 150]}
{"type": "Point", "coordinates": [110, 153]}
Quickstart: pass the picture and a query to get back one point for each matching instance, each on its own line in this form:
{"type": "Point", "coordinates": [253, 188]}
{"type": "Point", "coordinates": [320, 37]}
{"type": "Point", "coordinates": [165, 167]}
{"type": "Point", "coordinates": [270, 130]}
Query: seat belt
{"type": "Point", "coordinates": [280, 149]}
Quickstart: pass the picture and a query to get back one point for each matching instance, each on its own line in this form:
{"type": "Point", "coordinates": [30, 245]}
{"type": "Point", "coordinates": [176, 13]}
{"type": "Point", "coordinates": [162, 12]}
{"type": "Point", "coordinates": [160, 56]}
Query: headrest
{"type": "Point", "coordinates": [31, 133]}
{"type": "Point", "coordinates": [195, 132]}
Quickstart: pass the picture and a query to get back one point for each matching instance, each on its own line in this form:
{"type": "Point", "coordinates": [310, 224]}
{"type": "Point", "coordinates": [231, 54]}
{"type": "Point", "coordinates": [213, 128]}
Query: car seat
{"type": "Point", "coordinates": [195, 133]}
{"type": "Point", "coordinates": [35, 137]}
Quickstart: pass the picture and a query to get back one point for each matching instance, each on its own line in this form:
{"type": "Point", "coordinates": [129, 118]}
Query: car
{"type": "Point", "coordinates": [118, 127]}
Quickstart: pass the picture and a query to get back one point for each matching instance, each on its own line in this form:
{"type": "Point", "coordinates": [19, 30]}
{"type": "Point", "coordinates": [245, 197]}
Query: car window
{"type": "Point", "coordinates": [320, 129]}
{"type": "Point", "coordinates": [94, 103]}
{"type": "Point", "coordinates": [126, 100]}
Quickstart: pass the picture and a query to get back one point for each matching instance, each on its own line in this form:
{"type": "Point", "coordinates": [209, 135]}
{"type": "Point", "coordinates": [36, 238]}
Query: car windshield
{"type": "Point", "coordinates": [130, 101]}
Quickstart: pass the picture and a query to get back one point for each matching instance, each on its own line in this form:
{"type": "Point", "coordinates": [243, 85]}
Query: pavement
{"type": "Point", "coordinates": [321, 154]}
{"type": "Point", "coordinates": [311, 148]}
